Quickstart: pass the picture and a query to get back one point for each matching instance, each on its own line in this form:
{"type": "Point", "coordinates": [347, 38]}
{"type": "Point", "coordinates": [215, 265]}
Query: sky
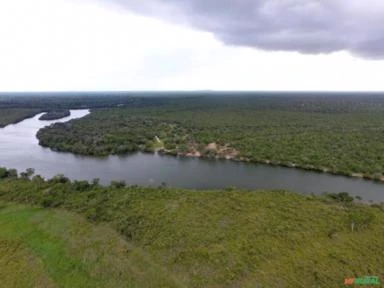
{"type": "Point", "coordinates": [154, 45]}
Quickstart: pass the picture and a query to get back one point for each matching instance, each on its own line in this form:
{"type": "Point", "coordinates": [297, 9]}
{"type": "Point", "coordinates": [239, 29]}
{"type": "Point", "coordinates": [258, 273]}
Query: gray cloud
{"type": "Point", "coordinates": [306, 26]}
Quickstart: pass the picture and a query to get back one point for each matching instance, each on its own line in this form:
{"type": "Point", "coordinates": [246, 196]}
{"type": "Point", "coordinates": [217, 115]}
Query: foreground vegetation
{"type": "Point", "coordinates": [335, 134]}
{"type": "Point", "coordinates": [230, 238]}
{"type": "Point", "coordinates": [48, 248]}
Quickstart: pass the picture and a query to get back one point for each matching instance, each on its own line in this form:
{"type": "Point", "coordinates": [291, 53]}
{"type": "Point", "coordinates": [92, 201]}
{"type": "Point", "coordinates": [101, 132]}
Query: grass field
{"type": "Point", "coordinates": [47, 248]}
{"type": "Point", "coordinates": [160, 237]}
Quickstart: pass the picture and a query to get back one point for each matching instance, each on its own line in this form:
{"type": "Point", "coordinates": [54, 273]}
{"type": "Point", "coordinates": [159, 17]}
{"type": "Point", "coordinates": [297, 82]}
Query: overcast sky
{"type": "Point", "coordinates": [62, 45]}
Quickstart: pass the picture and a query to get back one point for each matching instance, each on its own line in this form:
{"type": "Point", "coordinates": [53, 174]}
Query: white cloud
{"type": "Point", "coordinates": [49, 45]}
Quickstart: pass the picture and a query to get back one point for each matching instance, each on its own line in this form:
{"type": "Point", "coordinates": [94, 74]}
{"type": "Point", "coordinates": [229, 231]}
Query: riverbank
{"type": "Point", "coordinates": [10, 116]}
{"type": "Point", "coordinates": [19, 144]}
{"type": "Point", "coordinates": [212, 151]}
{"type": "Point", "coordinates": [346, 144]}
{"type": "Point", "coordinates": [238, 238]}
{"type": "Point", "coordinates": [55, 115]}
{"type": "Point", "coordinates": [228, 153]}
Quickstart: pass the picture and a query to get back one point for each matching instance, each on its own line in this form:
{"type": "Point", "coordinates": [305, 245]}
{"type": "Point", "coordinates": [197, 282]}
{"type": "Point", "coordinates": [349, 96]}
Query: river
{"type": "Point", "coordinates": [19, 149]}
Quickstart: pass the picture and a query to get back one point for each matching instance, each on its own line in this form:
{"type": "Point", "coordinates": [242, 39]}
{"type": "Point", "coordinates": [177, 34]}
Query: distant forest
{"type": "Point", "coordinates": [340, 134]}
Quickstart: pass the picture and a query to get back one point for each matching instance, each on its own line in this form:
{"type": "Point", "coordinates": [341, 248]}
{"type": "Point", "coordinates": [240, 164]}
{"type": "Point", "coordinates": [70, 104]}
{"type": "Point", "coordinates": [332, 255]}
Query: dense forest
{"type": "Point", "coordinates": [77, 100]}
{"type": "Point", "coordinates": [162, 237]}
{"type": "Point", "coordinates": [54, 115]}
{"type": "Point", "coordinates": [336, 134]}
{"type": "Point", "coordinates": [14, 115]}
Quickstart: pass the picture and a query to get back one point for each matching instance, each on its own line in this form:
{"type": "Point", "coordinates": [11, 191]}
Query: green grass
{"type": "Point", "coordinates": [19, 267]}
{"type": "Point", "coordinates": [46, 248]}
{"type": "Point", "coordinates": [229, 238]}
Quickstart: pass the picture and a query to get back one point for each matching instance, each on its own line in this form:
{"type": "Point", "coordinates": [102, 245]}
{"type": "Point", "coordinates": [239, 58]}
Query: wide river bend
{"type": "Point", "coordinates": [19, 149]}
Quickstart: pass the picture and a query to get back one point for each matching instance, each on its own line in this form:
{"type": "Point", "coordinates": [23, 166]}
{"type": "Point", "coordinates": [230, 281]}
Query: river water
{"type": "Point", "coordinates": [19, 149]}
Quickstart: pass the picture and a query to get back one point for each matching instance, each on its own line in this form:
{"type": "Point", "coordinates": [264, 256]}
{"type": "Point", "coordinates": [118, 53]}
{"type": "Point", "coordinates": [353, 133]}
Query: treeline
{"type": "Point", "coordinates": [236, 237]}
{"type": "Point", "coordinates": [54, 115]}
{"type": "Point", "coordinates": [15, 115]}
{"type": "Point", "coordinates": [72, 100]}
{"type": "Point", "coordinates": [337, 135]}
{"type": "Point", "coordinates": [303, 102]}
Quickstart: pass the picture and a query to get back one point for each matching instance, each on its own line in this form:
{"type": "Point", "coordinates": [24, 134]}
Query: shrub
{"type": "Point", "coordinates": [360, 218]}
{"type": "Point", "coordinates": [118, 184]}
{"type": "Point", "coordinates": [3, 173]}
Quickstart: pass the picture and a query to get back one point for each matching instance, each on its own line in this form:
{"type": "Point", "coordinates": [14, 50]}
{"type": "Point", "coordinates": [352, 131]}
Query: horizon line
{"type": "Point", "coordinates": [194, 91]}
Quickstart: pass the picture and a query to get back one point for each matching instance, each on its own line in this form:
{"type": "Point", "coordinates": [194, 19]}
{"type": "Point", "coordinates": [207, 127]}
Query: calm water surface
{"type": "Point", "coordinates": [19, 149]}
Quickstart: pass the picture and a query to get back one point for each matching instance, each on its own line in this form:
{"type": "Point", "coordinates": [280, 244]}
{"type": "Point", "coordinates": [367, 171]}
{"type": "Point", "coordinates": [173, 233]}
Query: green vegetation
{"type": "Point", "coordinates": [47, 248]}
{"type": "Point", "coordinates": [58, 233]}
{"type": "Point", "coordinates": [335, 134]}
{"type": "Point", "coordinates": [55, 114]}
{"type": "Point", "coordinates": [229, 238]}
{"type": "Point", "coordinates": [14, 115]}
{"type": "Point", "coordinates": [76, 100]}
